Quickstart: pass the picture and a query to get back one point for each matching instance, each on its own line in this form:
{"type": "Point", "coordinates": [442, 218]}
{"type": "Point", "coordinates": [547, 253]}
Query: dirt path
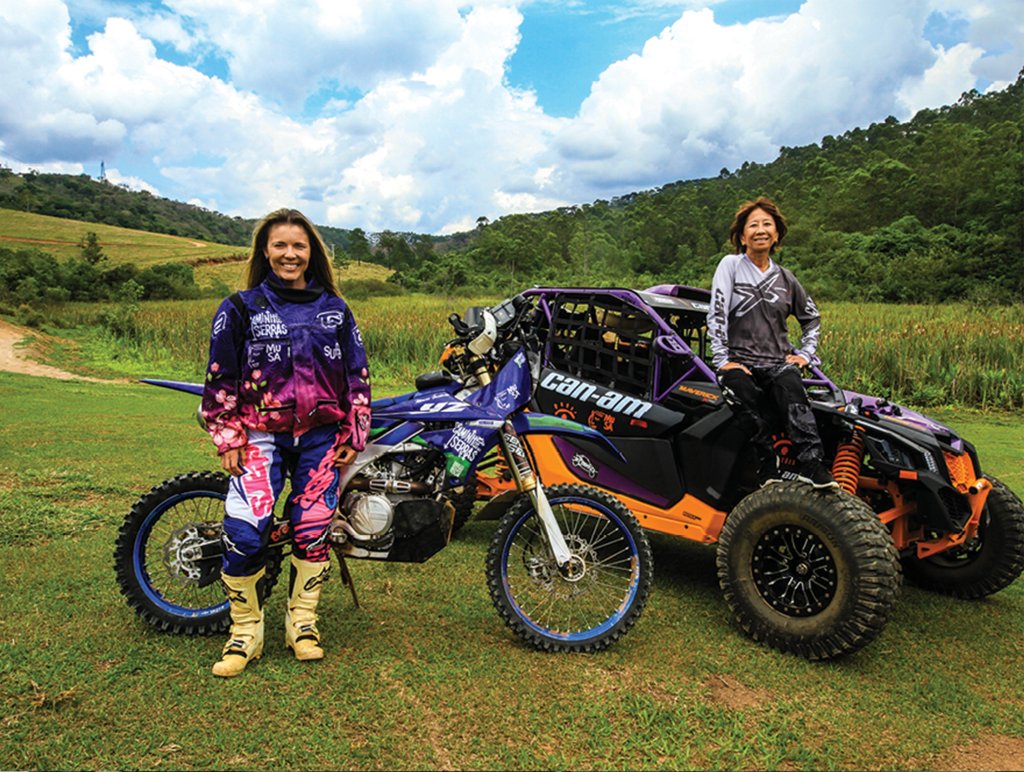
{"type": "Point", "coordinates": [15, 360]}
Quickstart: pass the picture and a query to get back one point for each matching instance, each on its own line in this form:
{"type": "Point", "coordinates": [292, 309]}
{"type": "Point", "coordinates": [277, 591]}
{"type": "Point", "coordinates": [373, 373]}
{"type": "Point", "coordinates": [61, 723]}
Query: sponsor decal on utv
{"type": "Point", "coordinates": [606, 399]}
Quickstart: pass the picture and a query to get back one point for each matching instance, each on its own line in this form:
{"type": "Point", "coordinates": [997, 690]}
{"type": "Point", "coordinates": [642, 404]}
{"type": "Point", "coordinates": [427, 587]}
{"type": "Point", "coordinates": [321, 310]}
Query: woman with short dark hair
{"type": "Point", "coordinates": [751, 298]}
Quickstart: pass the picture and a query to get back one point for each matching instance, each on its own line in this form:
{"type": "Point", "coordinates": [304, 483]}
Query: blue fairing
{"type": "Point", "coordinates": [508, 392]}
{"type": "Point", "coordinates": [540, 423]}
{"type": "Point", "coordinates": [190, 388]}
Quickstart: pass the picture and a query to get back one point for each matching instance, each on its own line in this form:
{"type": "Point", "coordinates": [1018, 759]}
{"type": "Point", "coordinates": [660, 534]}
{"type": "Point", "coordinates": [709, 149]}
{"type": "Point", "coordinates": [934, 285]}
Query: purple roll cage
{"type": "Point", "coordinates": [669, 297]}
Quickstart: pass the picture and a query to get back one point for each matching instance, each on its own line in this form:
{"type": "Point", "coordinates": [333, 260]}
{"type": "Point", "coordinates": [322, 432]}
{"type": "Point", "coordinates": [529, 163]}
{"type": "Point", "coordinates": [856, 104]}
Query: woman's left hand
{"type": "Point", "coordinates": [796, 359]}
{"type": "Point", "coordinates": [344, 455]}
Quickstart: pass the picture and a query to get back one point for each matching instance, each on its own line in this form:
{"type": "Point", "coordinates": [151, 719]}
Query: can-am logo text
{"type": "Point", "coordinates": [606, 399]}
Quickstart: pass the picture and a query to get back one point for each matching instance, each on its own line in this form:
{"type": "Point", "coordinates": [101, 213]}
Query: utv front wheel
{"type": "Point", "coordinates": [985, 564]}
{"type": "Point", "coordinates": [806, 571]}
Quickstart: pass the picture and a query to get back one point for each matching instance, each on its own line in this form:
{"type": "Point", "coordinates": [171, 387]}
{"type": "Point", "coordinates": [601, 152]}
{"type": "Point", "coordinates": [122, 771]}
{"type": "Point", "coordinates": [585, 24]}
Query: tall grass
{"type": "Point", "coordinates": [927, 355]}
{"type": "Point", "coordinates": [404, 336]}
{"type": "Point", "coordinates": [919, 355]}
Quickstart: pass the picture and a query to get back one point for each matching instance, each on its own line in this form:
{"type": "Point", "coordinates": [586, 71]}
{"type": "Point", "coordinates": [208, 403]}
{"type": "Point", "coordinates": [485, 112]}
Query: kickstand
{"type": "Point", "coordinates": [346, 577]}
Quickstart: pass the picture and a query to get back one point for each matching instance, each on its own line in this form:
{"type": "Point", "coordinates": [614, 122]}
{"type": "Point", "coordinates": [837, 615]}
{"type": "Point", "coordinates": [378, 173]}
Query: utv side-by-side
{"type": "Point", "coordinates": [813, 572]}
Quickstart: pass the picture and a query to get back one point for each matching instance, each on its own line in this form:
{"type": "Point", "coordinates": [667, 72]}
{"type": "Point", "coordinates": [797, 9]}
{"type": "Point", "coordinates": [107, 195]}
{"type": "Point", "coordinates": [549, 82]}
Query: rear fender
{"type": "Point", "coordinates": [189, 388]}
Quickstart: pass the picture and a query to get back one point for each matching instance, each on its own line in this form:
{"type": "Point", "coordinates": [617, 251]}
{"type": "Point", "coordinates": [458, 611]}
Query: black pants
{"type": "Point", "coordinates": [773, 389]}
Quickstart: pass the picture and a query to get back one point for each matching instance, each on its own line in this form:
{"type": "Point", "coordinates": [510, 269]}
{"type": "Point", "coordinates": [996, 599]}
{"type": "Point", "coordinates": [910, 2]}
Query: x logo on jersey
{"type": "Point", "coordinates": [753, 294]}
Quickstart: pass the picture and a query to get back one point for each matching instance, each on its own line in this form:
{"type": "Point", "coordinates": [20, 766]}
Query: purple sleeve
{"type": "Point", "coordinates": [356, 426]}
{"type": "Point", "coordinates": [223, 374]}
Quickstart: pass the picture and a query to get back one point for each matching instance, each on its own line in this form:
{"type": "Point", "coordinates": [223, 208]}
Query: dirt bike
{"type": "Point", "coordinates": [812, 572]}
{"type": "Point", "coordinates": [568, 569]}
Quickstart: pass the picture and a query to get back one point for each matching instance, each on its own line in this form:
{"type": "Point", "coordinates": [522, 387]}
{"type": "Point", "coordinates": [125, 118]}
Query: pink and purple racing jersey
{"type": "Point", "coordinates": [285, 360]}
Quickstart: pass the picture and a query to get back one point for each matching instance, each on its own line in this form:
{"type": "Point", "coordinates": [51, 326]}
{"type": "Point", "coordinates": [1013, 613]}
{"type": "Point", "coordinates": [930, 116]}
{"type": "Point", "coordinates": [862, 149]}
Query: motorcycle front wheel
{"type": "Point", "coordinates": [589, 607]}
{"type": "Point", "coordinates": [168, 556]}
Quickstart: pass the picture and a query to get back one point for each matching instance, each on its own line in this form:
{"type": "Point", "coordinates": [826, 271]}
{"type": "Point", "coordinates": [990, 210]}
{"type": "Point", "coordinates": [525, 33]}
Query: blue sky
{"type": "Point", "coordinates": [565, 48]}
{"type": "Point", "coordinates": [423, 115]}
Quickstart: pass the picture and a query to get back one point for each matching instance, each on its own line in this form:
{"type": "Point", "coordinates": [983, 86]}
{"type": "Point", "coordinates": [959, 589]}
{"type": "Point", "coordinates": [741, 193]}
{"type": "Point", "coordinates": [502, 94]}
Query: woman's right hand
{"type": "Point", "coordinates": [735, 366]}
{"type": "Point", "coordinates": [231, 462]}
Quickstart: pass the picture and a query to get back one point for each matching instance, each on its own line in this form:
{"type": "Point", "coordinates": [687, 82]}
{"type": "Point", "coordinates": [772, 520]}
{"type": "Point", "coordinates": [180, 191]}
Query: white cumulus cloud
{"type": "Point", "coordinates": [400, 115]}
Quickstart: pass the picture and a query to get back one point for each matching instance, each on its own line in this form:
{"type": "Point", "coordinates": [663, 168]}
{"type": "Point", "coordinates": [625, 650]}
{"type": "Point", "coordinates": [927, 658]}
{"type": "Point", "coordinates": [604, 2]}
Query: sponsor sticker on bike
{"type": "Point", "coordinates": [465, 442]}
{"type": "Point", "coordinates": [606, 399]}
{"type": "Point", "coordinates": [585, 465]}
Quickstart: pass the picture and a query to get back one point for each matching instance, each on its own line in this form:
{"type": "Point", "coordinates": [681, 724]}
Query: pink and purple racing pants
{"type": "Point", "coordinates": [248, 512]}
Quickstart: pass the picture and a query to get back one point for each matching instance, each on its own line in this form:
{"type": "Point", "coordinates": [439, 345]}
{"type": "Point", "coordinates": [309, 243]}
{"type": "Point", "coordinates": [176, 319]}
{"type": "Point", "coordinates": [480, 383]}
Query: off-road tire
{"type": "Point", "coordinates": [985, 565]}
{"type": "Point", "coordinates": [135, 565]}
{"type": "Point", "coordinates": [463, 501]}
{"type": "Point", "coordinates": [806, 571]}
{"type": "Point", "coordinates": [538, 611]}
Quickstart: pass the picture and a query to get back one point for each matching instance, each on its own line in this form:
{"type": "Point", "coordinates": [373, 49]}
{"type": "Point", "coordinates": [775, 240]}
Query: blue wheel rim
{"type": "Point", "coordinates": [623, 606]}
{"type": "Point", "coordinates": [138, 560]}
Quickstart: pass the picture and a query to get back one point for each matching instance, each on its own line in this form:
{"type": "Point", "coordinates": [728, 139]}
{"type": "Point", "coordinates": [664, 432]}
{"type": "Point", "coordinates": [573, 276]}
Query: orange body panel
{"type": "Point", "coordinates": [690, 517]}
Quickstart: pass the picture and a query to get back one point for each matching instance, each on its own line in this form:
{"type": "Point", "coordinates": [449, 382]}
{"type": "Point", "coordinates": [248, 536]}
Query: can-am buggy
{"type": "Point", "coordinates": [813, 572]}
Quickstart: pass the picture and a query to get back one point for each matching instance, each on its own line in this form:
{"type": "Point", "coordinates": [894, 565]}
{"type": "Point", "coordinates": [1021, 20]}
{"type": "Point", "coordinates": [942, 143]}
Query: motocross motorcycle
{"type": "Point", "coordinates": [568, 568]}
{"type": "Point", "coordinates": [812, 572]}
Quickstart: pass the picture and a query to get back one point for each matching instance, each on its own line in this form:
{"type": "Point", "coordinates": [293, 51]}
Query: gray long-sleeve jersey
{"type": "Point", "coordinates": [747, 320]}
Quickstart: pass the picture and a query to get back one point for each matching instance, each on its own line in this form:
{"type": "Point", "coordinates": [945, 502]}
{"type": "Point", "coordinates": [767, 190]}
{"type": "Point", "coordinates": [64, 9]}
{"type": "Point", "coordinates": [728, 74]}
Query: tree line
{"type": "Point", "coordinates": [924, 210]}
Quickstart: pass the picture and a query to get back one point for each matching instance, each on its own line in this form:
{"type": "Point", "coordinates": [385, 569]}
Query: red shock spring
{"type": "Point", "coordinates": [846, 466]}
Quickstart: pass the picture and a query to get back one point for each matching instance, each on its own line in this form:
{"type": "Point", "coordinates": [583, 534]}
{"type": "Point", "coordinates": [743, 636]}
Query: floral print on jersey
{"type": "Point", "coordinates": [294, 360]}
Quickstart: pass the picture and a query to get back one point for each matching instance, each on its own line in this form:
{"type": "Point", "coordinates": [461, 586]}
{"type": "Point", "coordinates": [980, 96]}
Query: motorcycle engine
{"type": "Point", "coordinates": [369, 514]}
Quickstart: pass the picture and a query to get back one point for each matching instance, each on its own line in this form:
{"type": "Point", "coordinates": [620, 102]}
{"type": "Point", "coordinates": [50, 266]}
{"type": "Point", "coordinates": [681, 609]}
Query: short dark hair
{"type": "Point", "coordinates": [742, 215]}
{"type": "Point", "coordinates": [319, 264]}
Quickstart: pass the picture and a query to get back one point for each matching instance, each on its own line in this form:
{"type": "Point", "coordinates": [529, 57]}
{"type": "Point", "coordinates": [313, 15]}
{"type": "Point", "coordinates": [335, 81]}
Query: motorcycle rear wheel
{"type": "Point", "coordinates": [168, 556]}
{"type": "Point", "coordinates": [601, 603]}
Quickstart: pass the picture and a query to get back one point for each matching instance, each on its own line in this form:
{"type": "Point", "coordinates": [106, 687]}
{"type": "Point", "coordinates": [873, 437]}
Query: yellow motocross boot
{"type": "Point", "coordinates": [246, 641]}
{"type": "Point", "coordinates": [300, 633]}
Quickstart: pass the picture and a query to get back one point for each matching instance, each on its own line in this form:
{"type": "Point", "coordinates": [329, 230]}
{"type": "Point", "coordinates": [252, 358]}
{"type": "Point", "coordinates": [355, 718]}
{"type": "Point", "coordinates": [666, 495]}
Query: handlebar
{"type": "Point", "coordinates": [460, 327]}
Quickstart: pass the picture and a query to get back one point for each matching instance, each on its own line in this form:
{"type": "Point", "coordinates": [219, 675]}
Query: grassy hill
{"type": "Point", "coordinates": [62, 237]}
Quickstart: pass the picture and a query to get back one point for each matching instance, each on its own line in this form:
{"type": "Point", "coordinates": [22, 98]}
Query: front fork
{"type": "Point", "coordinates": [527, 482]}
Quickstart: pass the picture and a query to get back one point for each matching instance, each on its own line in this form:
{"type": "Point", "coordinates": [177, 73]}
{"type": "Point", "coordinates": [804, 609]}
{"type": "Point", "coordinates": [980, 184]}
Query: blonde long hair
{"type": "Point", "coordinates": [258, 266]}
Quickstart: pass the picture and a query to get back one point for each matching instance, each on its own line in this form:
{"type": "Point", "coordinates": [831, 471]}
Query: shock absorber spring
{"type": "Point", "coordinates": [846, 466]}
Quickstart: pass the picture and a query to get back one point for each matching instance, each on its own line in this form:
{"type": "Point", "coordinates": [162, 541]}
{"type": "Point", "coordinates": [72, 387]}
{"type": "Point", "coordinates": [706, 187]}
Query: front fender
{"type": "Point", "coordinates": [541, 423]}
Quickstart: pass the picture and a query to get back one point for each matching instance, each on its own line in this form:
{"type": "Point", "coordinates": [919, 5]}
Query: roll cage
{"type": "Point", "coordinates": [649, 343]}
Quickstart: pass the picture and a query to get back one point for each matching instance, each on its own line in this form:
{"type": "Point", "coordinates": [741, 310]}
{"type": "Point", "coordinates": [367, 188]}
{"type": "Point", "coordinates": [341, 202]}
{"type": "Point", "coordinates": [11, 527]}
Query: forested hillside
{"type": "Point", "coordinates": [80, 197]}
{"type": "Point", "coordinates": [926, 210]}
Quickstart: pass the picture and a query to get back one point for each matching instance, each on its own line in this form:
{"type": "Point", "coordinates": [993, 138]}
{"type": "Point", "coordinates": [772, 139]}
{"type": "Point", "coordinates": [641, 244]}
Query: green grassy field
{"type": "Point", "coordinates": [61, 237]}
{"type": "Point", "coordinates": [425, 675]}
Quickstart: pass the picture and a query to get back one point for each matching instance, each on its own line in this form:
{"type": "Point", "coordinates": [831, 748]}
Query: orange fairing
{"type": "Point", "coordinates": [690, 517]}
{"type": "Point", "coordinates": [493, 476]}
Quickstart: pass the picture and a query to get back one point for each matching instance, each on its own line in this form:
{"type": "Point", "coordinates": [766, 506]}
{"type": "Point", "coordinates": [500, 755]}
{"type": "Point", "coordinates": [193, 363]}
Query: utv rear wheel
{"type": "Point", "coordinates": [807, 571]}
{"type": "Point", "coordinates": [985, 564]}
